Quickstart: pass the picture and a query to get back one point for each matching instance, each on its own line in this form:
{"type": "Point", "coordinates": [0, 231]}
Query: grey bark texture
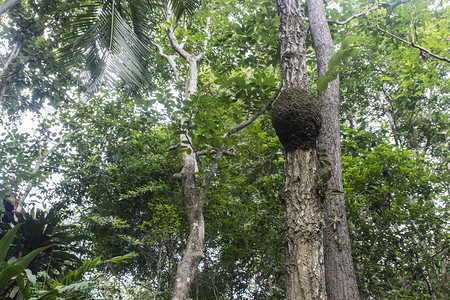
{"type": "Point", "coordinates": [4, 8]}
{"type": "Point", "coordinates": [339, 271]}
{"type": "Point", "coordinates": [305, 278]}
{"type": "Point", "coordinates": [303, 241]}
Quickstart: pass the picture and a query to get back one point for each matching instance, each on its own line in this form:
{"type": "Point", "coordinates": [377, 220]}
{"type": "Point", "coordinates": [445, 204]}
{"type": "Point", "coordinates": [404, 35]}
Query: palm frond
{"type": "Point", "coordinates": [113, 49]}
{"type": "Point", "coordinates": [111, 38]}
{"type": "Point", "coordinates": [181, 7]}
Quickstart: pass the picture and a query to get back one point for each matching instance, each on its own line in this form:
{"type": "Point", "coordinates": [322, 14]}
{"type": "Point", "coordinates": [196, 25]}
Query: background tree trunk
{"type": "Point", "coordinates": [339, 272]}
{"type": "Point", "coordinates": [304, 218]}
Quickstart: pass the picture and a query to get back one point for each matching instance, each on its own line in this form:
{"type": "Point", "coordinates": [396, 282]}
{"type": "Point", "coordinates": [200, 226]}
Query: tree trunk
{"type": "Point", "coordinates": [193, 201]}
{"type": "Point", "coordinates": [193, 204]}
{"type": "Point", "coordinates": [303, 210]}
{"type": "Point", "coordinates": [339, 272]}
{"type": "Point", "coordinates": [303, 227]}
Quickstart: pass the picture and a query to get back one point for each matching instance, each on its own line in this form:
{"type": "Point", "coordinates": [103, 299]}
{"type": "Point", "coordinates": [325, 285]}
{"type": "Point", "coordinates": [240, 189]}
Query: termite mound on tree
{"type": "Point", "coordinates": [296, 119]}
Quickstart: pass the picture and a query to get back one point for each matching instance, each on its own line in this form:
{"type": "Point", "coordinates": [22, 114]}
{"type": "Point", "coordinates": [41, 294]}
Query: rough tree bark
{"type": "Point", "coordinates": [303, 241]}
{"type": "Point", "coordinates": [339, 272]}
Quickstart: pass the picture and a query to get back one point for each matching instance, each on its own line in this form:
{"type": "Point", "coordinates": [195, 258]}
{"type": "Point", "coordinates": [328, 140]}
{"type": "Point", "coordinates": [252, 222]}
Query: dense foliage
{"type": "Point", "coordinates": [104, 146]}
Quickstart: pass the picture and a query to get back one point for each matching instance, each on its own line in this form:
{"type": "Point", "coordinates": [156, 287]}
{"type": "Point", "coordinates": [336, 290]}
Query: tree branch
{"type": "Point", "coordinates": [177, 47]}
{"type": "Point", "coordinates": [37, 167]}
{"type": "Point", "coordinates": [414, 45]}
{"type": "Point", "coordinates": [225, 152]}
{"type": "Point", "coordinates": [4, 8]}
{"type": "Point", "coordinates": [250, 120]}
{"type": "Point", "coordinates": [384, 5]}
{"type": "Point", "coordinates": [2, 91]}
{"type": "Point", "coordinates": [13, 55]}
{"type": "Point", "coordinates": [170, 59]}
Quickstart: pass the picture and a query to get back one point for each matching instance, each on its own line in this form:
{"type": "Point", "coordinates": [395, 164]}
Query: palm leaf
{"type": "Point", "coordinates": [6, 241]}
{"type": "Point", "coordinates": [74, 281]}
{"type": "Point", "coordinates": [112, 38]}
{"type": "Point", "coordinates": [113, 50]}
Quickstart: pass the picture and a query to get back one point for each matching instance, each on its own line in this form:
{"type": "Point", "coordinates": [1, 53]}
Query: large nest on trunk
{"type": "Point", "coordinates": [296, 119]}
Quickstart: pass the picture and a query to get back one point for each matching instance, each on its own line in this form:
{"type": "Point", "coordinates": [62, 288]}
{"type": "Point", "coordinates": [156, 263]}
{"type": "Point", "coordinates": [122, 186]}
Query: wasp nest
{"type": "Point", "coordinates": [296, 119]}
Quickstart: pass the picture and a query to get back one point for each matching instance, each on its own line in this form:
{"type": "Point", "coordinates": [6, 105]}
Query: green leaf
{"type": "Point", "coordinates": [118, 259]}
{"type": "Point", "coordinates": [25, 260]}
{"type": "Point", "coordinates": [322, 83]}
{"type": "Point", "coordinates": [8, 273]}
{"type": "Point", "coordinates": [325, 177]}
{"type": "Point", "coordinates": [6, 241]}
{"type": "Point", "coordinates": [31, 277]}
{"type": "Point", "coordinates": [349, 42]}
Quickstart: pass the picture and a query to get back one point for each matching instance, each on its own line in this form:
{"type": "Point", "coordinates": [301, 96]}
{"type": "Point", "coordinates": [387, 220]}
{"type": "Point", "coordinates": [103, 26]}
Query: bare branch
{"type": "Point", "coordinates": [208, 177]}
{"type": "Point", "coordinates": [250, 120]}
{"type": "Point", "coordinates": [173, 147]}
{"type": "Point", "coordinates": [2, 91]}
{"type": "Point", "coordinates": [414, 45]}
{"type": "Point", "coordinates": [177, 47]}
{"type": "Point", "coordinates": [37, 167]}
{"type": "Point", "coordinates": [384, 5]}
{"type": "Point", "coordinates": [14, 53]}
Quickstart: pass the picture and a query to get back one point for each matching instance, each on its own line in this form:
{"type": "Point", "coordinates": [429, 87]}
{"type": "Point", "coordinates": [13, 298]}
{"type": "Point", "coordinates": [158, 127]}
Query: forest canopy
{"type": "Point", "coordinates": [139, 158]}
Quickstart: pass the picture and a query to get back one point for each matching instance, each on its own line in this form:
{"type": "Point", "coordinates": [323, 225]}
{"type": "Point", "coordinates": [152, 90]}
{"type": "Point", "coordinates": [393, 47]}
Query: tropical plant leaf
{"type": "Point", "coordinates": [9, 272]}
{"type": "Point", "coordinates": [25, 260]}
{"type": "Point", "coordinates": [6, 241]}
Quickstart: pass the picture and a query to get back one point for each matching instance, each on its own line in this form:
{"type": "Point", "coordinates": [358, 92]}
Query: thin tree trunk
{"type": "Point", "coordinates": [303, 243]}
{"type": "Point", "coordinates": [339, 272]}
{"type": "Point", "coordinates": [187, 267]}
{"type": "Point", "coordinates": [193, 203]}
